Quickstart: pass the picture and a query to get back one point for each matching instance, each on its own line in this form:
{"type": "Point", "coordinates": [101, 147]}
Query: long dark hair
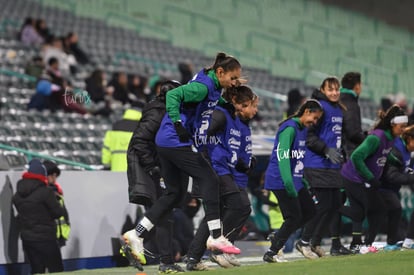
{"type": "Point", "coordinates": [227, 62]}
{"type": "Point", "coordinates": [239, 94]}
{"type": "Point", "coordinates": [312, 104]}
{"type": "Point", "coordinates": [384, 122]}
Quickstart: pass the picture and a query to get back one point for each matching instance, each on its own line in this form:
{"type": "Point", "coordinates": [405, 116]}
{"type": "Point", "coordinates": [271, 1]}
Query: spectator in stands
{"type": "Point", "coordinates": [186, 71]}
{"type": "Point", "coordinates": [63, 223]}
{"type": "Point", "coordinates": [67, 63]}
{"type": "Point", "coordinates": [115, 144]}
{"type": "Point", "coordinates": [119, 85]}
{"type": "Point", "coordinates": [136, 85]}
{"type": "Point", "coordinates": [352, 134]}
{"type": "Point", "coordinates": [294, 100]}
{"type": "Point", "coordinates": [37, 209]}
{"type": "Point", "coordinates": [323, 162]}
{"type": "Point", "coordinates": [35, 67]}
{"type": "Point", "coordinates": [284, 177]}
{"type": "Point", "coordinates": [362, 172]}
{"type": "Point", "coordinates": [386, 103]}
{"type": "Point", "coordinates": [154, 85]}
{"type": "Point", "coordinates": [99, 94]}
{"type": "Point", "coordinates": [53, 70]}
{"type": "Point", "coordinates": [45, 97]}
{"type": "Point", "coordinates": [43, 30]}
{"type": "Point", "coordinates": [71, 47]}
{"type": "Point", "coordinates": [65, 98]}
{"type": "Point", "coordinates": [179, 156]}
{"type": "Point", "coordinates": [28, 34]}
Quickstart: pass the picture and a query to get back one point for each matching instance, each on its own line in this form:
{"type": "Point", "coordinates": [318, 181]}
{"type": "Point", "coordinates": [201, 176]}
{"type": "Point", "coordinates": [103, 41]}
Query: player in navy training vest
{"type": "Point", "coordinates": [284, 175]}
{"type": "Point", "coordinates": [229, 153]}
{"type": "Point", "coordinates": [322, 170]}
{"type": "Point", "coordinates": [189, 108]}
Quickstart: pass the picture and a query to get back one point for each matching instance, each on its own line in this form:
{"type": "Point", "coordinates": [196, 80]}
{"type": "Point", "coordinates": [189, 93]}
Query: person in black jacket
{"type": "Point", "coordinates": [144, 172]}
{"type": "Point", "coordinates": [142, 154]}
{"type": "Point", "coordinates": [37, 209]}
{"type": "Point", "coordinates": [352, 133]}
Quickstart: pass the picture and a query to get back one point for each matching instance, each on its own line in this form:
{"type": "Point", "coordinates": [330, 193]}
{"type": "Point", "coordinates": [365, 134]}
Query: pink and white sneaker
{"type": "Point", "coordinates": [368, 249]}
{"type": "Point", "coordinates": [222, 244]}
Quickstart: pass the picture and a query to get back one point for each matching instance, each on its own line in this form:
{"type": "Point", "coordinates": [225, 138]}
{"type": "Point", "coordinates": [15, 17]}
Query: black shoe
{"type": "Point", "coordinates": [271, 236]}
{"type": "Point", "coordinates": [268, 257]}
{"type": "Point", "coordinates": [355, 247]}
{"type": "Point", "coordinates": [340, 251]}
{"type": "Point", "coordinates": [170, 269]}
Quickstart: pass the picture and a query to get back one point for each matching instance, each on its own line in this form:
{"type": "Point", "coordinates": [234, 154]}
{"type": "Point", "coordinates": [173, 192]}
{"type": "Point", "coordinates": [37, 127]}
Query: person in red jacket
{"type": "Point", "coordinates": [37, 209]}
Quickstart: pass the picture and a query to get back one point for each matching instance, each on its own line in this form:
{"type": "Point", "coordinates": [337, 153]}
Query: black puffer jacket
{"type": "Point", "coordinates": [352, 134]}
{"type": "Point", "coordinates": [142, 154]}
{"type": "Point", "coordinates": [37, 208]}
{"type": "Point", "coordinates": [143, 139]}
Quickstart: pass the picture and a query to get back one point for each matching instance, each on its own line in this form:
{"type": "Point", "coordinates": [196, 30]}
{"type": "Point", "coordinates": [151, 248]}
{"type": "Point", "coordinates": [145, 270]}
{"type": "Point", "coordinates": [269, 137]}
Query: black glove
{"type": "Point", "coordinates": [253, 162]}
{"type": "Point", "coordinates": [375, 183]}
{"type": "Point", "coordinates": [334, 155]}
{"type": "Point", "coordinates": [182, 133]}
{"type": "Point", "coordinates": [155, 173]}
{"type": "Point", "coordinates": [241, 166]}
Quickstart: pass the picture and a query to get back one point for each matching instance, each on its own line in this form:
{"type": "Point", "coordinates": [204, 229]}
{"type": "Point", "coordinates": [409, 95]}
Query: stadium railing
{"type": "Point", "coordinates": [31, 154]}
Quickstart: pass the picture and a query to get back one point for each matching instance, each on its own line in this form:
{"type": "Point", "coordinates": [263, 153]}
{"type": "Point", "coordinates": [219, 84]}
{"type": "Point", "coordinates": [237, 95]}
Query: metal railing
{"type": "Point", "coordinates": [30, 154]}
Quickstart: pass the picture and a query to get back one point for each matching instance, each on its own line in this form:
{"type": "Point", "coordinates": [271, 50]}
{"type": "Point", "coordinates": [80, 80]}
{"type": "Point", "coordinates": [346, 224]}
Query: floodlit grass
{"type": "Point", "coordinates": [396, 263]}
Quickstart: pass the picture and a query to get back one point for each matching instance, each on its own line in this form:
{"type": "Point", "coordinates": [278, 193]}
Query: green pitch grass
{"type": "Point", "coordinates": [394, 263]}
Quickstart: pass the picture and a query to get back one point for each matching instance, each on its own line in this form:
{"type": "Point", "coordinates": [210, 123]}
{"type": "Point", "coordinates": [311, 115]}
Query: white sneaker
{"type": "Point", "coordinates": [408, 244]}
{"type": "Point", "coordinates": [136, 244]}
{"type": "Point", "coordinates": [221, 260]}
{"type": "Point", "coordinates": [222, 244]}
{"type": "Point", "coordinates": [231, 258]}
{"type": "Point", "coordinates": [305, 250]}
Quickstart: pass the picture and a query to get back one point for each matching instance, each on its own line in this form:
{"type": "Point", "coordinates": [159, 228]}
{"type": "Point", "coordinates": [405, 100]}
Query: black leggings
{"type": "Point", "coordinates": [296, 212]}
{"type": "Point", "coordinates": [236, 210]}
{"type": "Point", "coordinates": [392, 206]}
{"type": "Point", "coordinates": [177, 164]}
{"type": "Point", "coordinates": [364, 202]}
{"type": "Point", "coordinates": [327, 215]}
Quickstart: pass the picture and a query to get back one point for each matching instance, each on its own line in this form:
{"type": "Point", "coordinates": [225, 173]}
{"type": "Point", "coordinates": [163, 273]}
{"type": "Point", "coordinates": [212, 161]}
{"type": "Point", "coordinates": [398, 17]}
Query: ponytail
{"type": "Point", "coordinates": [227, 62]}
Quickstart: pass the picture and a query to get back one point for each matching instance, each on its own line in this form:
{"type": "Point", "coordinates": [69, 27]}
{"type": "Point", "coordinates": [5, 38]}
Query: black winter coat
{"type": "Point", "coordinates": [352, 134]}
{"type": "Point", "coordinates": [142, 154]}
{"type": "Point", "coordinates": [37, 209]}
